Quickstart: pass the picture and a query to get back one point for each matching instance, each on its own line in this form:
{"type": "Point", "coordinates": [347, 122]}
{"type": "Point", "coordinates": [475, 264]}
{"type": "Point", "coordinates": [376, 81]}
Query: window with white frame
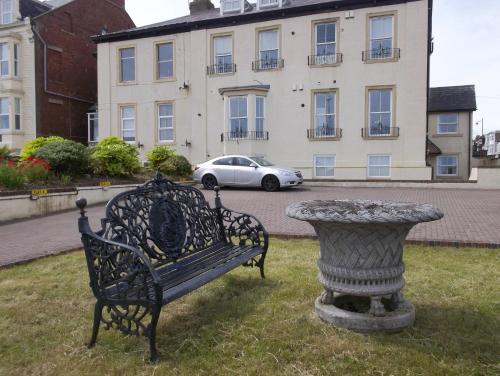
{"type": "Point", "coordinates": [447, 123]}
{"type": "Point", "coordinates": [4, 114]}
{"type": "Point", "coordinates": [165, 122]}
{"type": "Point", "coordinates": [6, 11]}
{"type": "Point", "coordinates": [231, 5]}
{"type": "Point", "coordinates": [223, 54]}
{"type": "Point", "coordinates": [269, 53]}
{"type": "Point", "coordinates": [381, 37]}
{"type": "Point", "coordinates": [16, 60]}
{"type": "Point", "coordinates": [165, 60]}
{"type": "Point", "coordinates": [127, 64]}
{"type": "Point", "coordinates": [324, 114]}
{"type": "Point", "coordinates": [380, 116]}
{"type": "Point", "coordinates": [238, 117]}
{"type": "Point", "coordinates": [326, 43]}
{"type": "Point", "coordinates": [4, 59]}
{"type": "Point", "coordinates": [93, 125]}
{"type": "Point", "coordinates": [128, 123]}
{"type": "Point", "coordinates": [324, 166]}
{"type": "Point", "coordinates": [268, 3]}
{"type": "Point", "coordinates": [17, 114]}
{"type": "Point", "coordinates": [447, 165]}
{"type": "Point", "coordinates": [379, 166]}
{"type": "Point", "coordinates": [260, 116]}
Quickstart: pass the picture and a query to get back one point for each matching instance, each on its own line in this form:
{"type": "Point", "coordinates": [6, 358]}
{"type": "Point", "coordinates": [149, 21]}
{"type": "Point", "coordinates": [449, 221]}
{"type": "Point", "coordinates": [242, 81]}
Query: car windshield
{"type": "Point", "coordinates": [262, 162]}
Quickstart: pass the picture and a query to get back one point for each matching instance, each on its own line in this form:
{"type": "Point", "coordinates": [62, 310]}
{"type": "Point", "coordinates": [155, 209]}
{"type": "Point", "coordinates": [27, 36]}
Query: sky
{"type": "Point", "coordinates": [466, 46]}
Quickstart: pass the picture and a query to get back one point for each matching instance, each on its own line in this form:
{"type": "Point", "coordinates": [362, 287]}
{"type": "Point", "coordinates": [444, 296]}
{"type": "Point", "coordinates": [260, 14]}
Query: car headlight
{"type": "Point", "coordinates": [287, 173]}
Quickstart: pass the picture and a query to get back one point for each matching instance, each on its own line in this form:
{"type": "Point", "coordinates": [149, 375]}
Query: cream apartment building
{"type": "Point", "coordinates": [337, 89]}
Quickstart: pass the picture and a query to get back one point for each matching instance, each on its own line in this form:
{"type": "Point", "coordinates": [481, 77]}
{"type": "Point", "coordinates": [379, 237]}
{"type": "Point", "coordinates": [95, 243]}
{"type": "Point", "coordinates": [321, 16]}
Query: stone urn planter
{"type": "Point", "coordinates": [361, 260]}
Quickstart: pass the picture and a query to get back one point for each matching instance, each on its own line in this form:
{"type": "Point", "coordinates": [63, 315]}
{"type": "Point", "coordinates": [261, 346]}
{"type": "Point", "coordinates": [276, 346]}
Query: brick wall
{"type": "Point", "coordinates": [71, 63]}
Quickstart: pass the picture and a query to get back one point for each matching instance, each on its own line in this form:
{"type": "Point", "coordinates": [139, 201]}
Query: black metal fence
{"type": "Point", "coordinates": [221, 69]}
{"type": "Point", "coordinates": [331, 59]}
{"type": "Point", "coordinates": [379, 131]}
{"type": "Point", "coordinates": [381, 54]}
{"type": "Point", "coordinates": [319, 133]}
{"type": "Point", "coordinates": [245, 135]}
{"type": "Point", "coordinates": [267, 64]}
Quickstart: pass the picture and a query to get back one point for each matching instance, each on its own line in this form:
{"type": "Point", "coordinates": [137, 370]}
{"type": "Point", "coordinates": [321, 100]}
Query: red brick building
{"type": "Point", "coordinates": [66, 62]}
{"type": "Point", "coordinates": [48, 65]}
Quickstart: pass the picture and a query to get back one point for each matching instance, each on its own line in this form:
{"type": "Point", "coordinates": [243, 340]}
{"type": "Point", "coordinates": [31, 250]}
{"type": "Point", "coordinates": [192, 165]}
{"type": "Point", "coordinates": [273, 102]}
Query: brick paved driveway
{"type": "Point", "coordinates": [470, 217]}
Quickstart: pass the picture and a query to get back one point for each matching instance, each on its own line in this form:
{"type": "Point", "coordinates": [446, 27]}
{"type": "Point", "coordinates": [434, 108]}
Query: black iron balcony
{"type": "Point", "coordinates": [245, 135]}
{"type": "Point", "coordinates": [380, 132]}
{"type": "Point", "coordinates": [322, 133]}
{"type": "Point", "coordinates": [268, 64]}
{"type": "Point", "coordinates": [381, 54]}
{"type": "Point", "coordinates": [215, 69]}
{"type": "Point", "coordinates": [318, 60]}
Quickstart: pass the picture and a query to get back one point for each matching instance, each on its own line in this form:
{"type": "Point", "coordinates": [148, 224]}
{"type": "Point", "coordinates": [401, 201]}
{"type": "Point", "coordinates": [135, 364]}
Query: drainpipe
{"type": "Point", "coordinates": [45, 86]}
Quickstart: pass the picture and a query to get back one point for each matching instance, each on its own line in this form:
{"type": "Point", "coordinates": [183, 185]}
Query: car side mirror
{"type": "Point", "coordinates": [253, 165]}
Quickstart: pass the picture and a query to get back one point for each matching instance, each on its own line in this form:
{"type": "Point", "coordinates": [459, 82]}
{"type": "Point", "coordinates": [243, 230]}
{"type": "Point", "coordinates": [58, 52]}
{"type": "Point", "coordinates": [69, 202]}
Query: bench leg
{"type": "Point", "coordinates": [97, 322]}
{"type": "Point", "coordinates": [152, 334]}
{"type": "Point", "coordinates": [261, 265]}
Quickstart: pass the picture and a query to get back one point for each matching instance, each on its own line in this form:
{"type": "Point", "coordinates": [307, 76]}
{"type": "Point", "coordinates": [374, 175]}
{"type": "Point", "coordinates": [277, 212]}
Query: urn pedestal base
{"type": "Point", "coordinates": [402, 317]}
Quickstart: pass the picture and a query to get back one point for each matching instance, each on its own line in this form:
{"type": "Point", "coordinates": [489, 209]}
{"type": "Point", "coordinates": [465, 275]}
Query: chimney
{"type": "Point", "coordinates": [120, 3]}
{"type": "Point", "coordinates": [197, 6]}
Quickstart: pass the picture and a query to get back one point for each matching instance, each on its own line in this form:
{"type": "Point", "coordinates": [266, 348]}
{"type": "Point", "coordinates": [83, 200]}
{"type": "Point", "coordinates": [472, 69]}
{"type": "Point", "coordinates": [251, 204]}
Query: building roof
{"type": "Point", "coordinates": [32, 8]}
{"type": "Point", "coordinates": [452, 98]}
{"type": "Point", "coordinates": [432, 148]}
{"type": "Point", "coordinates": [212, 18]}
{"type": "Point", "coordinates": [57, 3]}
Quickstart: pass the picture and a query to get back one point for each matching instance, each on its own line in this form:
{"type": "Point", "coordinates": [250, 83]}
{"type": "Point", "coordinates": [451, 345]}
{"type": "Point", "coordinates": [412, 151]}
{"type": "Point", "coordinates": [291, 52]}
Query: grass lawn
{"type": "Point", "coordinates": [242, 325]}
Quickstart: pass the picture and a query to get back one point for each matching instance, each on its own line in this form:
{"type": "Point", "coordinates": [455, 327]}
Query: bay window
{"type": "Point", "coordinates": [238, 117]}
{"type": "Point", "coordinates": [6, 10]}
{"type": "Point", "coordinates": [16, 60]}
{"type": "Point", "coordinates": [4, 114]}
{"type": "Point", "coordinates": [260, 115]}
{"type": "Point", "coordinates": [4, 59]}
{"type": "Point", "coordinates": [17, 114]}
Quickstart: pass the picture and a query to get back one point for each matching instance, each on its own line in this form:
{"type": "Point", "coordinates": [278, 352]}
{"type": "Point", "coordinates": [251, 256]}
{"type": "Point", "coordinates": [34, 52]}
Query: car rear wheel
{"type": "Point", "coordinates": [270, 183]}
{"type": "Point", "coordinates": [209, 181]}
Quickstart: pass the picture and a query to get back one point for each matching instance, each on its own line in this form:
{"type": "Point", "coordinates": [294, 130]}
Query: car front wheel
{"type": "Point", "coordinates": [209, 182]}
{"type": "Point", "coordinates": [270, 183]}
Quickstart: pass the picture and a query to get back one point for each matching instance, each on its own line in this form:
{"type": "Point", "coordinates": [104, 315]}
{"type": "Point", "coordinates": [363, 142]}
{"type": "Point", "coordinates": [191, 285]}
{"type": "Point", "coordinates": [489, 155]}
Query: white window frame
{"type": "Point", "coordinates": [93, 117]}
{"type": "Point", "coordinates": [372, 55]}
{"type": "Point", "coordinates": [261, 51]}
{"type": "Point", "coordinates": [370, 113]}
{"type": "Point", "coordinates": [7, 114]}
{"type": "Point", "coordinates": [333, 166]}
{"type": "Point", "coordinates": [325, 59]}
{"type": "Point", "coordinates": [230, 6]}
{"type": "Point", "coordinates": [122, 59]}
{"type": "Point", "coordinates": [440, 123]}
{"type": "Point", "coordinates": [122, 121]}
{"type": "Point", "coordinates": [379, 165]}
{"type": "Point", "coordinates": [334, 114]}
{"type": "Point", "coordinates": [230, 117]}
{"type": "Point", "coordinates": [269, 3]}
{"type": "Point", "coordinates": [159, 62]}
{"type": "Point", "coordinates": [439, 157]}
{"type": "Point", "coordinates": [160, 117]}
{"type": "Point", "coordinates": [4, 13]}
{"type": "Point", "coordinates": [5, 58]}
{"type": "Point", "coordinates": [17, 114]}
{"type": "Point", "coordinates": [260, 134]}
{"type": "Point", "coordinates": [222, 69]}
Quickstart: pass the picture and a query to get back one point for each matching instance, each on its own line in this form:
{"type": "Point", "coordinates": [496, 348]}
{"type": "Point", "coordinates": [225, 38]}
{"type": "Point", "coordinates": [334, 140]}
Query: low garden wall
{"type": "Point", "coordinates": [42, 202]}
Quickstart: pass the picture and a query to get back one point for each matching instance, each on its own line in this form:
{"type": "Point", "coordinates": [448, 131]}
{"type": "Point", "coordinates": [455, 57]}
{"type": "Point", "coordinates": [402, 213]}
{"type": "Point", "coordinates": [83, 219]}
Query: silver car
{"type": "Point", "coordinates": [243, 171]}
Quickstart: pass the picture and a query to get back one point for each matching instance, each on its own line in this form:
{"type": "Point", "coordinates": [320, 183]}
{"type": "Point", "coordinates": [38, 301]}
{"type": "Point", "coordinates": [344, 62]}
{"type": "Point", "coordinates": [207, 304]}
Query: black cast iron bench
{"type": "Point", "coordinates": [158, 242]}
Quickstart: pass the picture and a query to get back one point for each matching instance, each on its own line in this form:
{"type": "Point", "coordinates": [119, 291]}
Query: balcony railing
{"type": "Point", "coordinates": [376, 132]}
{"type": "Point", "coordinates": [381, 54]}
{"type": "Point", "coordinates": [317, 60]}
{"type": "Point", "coordinates": [245, 135]}
{"type": "Point", "coordinates": [268, 64]}
{"type": "Point", "coordinates": [221, 69]}
{"type": "Point", "coordinates": [324, 133]}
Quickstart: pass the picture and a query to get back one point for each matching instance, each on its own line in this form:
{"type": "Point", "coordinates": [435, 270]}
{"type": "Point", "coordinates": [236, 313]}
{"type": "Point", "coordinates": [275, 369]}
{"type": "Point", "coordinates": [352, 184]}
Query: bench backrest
{"type": "Point", "coordinates": [168, 221]}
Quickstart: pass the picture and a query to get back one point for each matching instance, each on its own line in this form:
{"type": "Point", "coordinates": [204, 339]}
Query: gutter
{"type": "Point", "coordinates": [45, 88]}
{"type": "Point", "coordinates": [429, 52]}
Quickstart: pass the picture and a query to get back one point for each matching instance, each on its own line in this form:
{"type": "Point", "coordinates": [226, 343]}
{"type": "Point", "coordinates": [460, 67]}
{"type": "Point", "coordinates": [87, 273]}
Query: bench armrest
{"type": "Point", "coordinates": [244, 229]}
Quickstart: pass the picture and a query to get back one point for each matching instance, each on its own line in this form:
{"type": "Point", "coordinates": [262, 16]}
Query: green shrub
{"type": "Point", "coordinates": [31, 147]}
{"type": "Point", "coordinates": [176, 167]}
{"type": "Point", "coordinates": [65, 157]}
{"type": "Point", "coordinates": [5, 153]}
{"type": "Point", "coordinates": [114, 157]}
{"type": "Point", "coordinates": [10, 176]}
{"type": "Point", "coordinates": [158, 155]}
